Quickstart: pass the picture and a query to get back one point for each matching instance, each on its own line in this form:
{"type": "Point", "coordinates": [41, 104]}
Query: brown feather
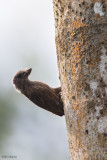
{"type": "Point", "coordinates": [39, 93]}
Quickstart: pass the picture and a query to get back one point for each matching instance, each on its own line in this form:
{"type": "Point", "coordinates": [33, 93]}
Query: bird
{"type": "Point", "coordinates": [39, 93]}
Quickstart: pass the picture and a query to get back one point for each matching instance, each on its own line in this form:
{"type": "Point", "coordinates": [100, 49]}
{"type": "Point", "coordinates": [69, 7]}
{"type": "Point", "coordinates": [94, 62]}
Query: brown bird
{"type": "Point", "coordinates": [39, 93]}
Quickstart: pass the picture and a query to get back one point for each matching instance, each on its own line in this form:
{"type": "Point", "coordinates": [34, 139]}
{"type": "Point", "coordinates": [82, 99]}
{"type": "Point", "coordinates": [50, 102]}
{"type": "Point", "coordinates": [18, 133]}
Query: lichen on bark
{"type": "Point", "coordinates": [81, 44]}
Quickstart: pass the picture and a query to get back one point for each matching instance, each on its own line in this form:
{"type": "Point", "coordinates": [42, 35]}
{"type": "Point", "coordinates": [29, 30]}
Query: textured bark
{"type": "Point", "coordinates": [81, 43]}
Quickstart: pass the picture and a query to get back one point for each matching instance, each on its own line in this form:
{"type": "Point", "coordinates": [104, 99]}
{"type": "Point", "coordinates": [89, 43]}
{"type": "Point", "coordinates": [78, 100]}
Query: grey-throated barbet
{"type": "Point", "coordinates": [39, 93]}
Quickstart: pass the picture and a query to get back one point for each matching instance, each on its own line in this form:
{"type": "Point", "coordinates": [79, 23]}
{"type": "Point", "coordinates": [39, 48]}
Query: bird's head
{"type": "Point", "coordinates": [22, 74]}
{"type": "Point", "coordinates": [20, 77]}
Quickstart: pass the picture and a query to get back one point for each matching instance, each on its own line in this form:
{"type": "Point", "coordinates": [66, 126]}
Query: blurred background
{"type": "Point", "coordinates": [27, 36]}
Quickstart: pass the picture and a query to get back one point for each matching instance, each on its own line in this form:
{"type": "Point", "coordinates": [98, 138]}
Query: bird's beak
{"type": "Point", "coordinates": [27, 72]}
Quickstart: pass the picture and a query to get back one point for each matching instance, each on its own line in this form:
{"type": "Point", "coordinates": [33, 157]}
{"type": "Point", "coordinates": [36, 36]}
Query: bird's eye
{"type": "Point", "coordinates": [20, 75]}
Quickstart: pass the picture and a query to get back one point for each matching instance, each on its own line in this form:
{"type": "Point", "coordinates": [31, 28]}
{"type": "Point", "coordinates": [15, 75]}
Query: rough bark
{"type": "Point", "coordinates": [81, 43]}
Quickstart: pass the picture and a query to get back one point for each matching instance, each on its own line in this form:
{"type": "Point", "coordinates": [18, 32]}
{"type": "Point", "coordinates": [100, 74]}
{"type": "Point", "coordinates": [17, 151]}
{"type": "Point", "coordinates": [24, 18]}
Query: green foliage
{"type": "Point", "coordinates": [7, 112]}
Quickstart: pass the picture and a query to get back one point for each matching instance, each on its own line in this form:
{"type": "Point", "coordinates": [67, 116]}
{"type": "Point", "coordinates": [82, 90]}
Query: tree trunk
{"type": "Point", "coordinates": [81, 43]}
